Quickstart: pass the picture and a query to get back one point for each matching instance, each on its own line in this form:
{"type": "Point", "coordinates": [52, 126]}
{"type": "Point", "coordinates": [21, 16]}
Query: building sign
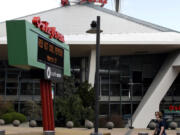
{"type": "Point", "coordinates": [50, 53]}
{"type": "Point", "coordinates": [53, 74]}
{"type": "Point", "coordinates": [174, 108]}
{"type": "Point", "coordinates": [33, 49]}
{"type": "Point", "coordinates": [43, 26]}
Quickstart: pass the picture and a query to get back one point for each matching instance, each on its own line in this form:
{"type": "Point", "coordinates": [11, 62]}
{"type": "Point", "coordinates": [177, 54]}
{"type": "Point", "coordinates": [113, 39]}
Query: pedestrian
{"type": "Point", "coordinates": [160, 128]}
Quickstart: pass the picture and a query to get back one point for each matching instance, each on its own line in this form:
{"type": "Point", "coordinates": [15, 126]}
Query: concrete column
{"type": "Point", "coordinates": [156, 92]}
{"type": "Point", "coordinates": [92, 67]}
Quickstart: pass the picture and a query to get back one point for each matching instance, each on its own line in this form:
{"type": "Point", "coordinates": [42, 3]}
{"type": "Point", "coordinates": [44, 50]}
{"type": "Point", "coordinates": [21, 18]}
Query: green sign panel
{"type": "Point", "coordinates": [29, 47]}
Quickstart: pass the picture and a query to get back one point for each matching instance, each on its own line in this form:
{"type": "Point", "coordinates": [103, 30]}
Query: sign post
{"type": "Point", "coordinates": [39, 48]}
{"type": "Point", "coordinates": [47, 107]}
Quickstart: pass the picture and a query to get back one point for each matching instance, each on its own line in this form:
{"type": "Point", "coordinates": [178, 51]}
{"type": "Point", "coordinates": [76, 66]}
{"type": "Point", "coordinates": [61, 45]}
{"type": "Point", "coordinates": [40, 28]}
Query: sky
{"type": "Point", "coordinates": [162, 12]}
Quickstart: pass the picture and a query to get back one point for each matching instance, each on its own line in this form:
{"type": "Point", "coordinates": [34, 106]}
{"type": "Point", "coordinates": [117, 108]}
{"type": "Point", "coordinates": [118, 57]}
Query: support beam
{"type": "Point", "coordinates": [156, 92]}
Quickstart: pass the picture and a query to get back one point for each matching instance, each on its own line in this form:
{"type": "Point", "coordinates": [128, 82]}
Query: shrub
{"type": "Point", "coordinates": [5, 107]}
{"type": "Point", "coordinates": [10, 117]}
{"type": "Point", "coordinates": [117, 120]}
{"type": "Point", "coordinates": [32, 110]}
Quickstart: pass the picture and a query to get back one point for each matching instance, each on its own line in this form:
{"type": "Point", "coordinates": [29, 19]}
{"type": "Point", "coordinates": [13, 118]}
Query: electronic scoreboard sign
{"type": "Point", "coordinates": [50, 53]}
{"type": "Point", "coordinates": [37, 46]}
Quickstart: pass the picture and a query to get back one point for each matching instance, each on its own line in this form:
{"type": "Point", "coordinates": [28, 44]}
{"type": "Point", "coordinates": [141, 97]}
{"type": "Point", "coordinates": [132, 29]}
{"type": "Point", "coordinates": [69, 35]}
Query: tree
{"type": "Point", "coordinates": [32, 110]}
{"type": "Point", "coordinates": [69, 86]}
{"type": "Point", "coordinates": [70, 108]}
{"type": "Point", "coordinates": [77, 102]}
{"type": "Point", "coordinates": [86, 93]}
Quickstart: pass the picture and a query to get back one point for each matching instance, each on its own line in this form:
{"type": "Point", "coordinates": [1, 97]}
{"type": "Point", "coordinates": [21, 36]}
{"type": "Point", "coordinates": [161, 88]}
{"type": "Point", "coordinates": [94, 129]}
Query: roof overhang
{"type": "Point", "coordinates": [162, 38]}
{"type": "Point", "coordinates": [121, 44]}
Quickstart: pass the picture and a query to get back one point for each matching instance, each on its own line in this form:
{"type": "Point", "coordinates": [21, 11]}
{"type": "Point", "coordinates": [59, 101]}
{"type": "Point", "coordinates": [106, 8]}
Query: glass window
{"type": "Point", "coordinates": [104, 78]}
{"type": "Point", "coordinates": [37, 92]}
{"type": "Point", "coordinates": [105, 89]}
{"type": "Point", "coordinates": [26, 88]}
{"type": "Point", "coordinates": [104, 62]}
{"type": "Point", "coordinates": [104, 109]}
{"type": "Point", "coordinates": [115, 78]}
{"type": "Point", "coordinates": [137, 90]}
{"type": "Point", "coordinates": [126, 109]}
{"type": "Point", "coordinates": [135, 107]}
{"type": "Point", "coordinates": [115, 90]}
{"type": "Point", "coordinates": [75, 63]}
{"type": "Point", "coordinates": [113, 62]}
{"type": "Point", "coordinates": [177, 90]}
{"type": "Point", "coordinates": [2, 87]}
{"type": "Point", "coordinates": [115, 109]}
{"type": "Point", "coordinates": [124, 69]}
{"type": "Point", "coordinates": [137, 77]}
{"type": "Point", "coordinates": [11, 91]}
{"type": "Point", "coordinates": [2, 74]}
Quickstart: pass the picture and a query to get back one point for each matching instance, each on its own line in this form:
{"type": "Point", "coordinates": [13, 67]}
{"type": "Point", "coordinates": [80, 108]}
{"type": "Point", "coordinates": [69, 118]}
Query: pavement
{"type": "Point", "coordinates": [24, 130]}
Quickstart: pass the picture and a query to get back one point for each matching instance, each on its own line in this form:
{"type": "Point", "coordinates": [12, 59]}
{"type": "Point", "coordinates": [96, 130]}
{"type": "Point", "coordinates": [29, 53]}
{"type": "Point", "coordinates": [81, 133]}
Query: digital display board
{"type": "Point", "coordinates": [49, 53]}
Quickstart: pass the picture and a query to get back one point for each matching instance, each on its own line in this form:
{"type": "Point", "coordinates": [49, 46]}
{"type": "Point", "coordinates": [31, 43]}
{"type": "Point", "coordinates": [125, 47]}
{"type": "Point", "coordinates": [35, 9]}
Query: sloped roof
{"type": "Point", "coordinates": [139, 21]}
{"type": "Point", "coordinates": [120, 15]}
{"type": "Point", "coordinates": [77, 18]}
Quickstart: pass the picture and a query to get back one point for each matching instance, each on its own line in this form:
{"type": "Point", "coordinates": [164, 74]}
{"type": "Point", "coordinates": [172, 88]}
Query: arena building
{"type": "Point", "coordinates": [135, 55]}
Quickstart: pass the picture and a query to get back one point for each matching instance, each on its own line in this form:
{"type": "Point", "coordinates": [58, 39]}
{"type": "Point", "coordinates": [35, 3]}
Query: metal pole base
{"type": "Point", "coordinates": [49, 133]}
{"type": "Point", "coordinates": [142, 133]}
{"type": "Point", "coordinates": [2, 132]}
{"type": "Point", "coordinates": [96, 134]}
{"type": "Point", "coordinates": [131, 127]}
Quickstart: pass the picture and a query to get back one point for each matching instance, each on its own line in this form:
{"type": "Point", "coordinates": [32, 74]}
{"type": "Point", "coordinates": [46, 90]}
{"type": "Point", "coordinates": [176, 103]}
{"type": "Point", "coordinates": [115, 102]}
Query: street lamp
{"type": "Point", "coordinates": [95, 29]}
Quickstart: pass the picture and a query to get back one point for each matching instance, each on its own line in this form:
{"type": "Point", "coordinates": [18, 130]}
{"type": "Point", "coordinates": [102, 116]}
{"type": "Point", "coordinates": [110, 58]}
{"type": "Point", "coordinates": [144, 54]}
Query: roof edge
{"type": "Point", "coordinates": [129, 18]}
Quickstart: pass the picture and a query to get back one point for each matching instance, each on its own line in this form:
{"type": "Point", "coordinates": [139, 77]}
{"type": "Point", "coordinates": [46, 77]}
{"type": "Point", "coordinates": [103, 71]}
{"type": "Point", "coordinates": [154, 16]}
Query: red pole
{"type": "Point", "coordinates": [48, 105]}
{"type": "Point", "coordinates": [44, 103]}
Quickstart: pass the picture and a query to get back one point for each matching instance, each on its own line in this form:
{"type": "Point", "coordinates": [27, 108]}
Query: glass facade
{"type": "Point", "coordinates": [80, 68]}
{"type": "Point", "coordinates": [170, 104]}
{"type": "Point", "coordinates": [17, 86]}
{"type": "Point", "coordinates": [115, 75]}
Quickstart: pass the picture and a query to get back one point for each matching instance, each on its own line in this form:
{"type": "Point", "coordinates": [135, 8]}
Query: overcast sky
{"type": "Point", "coordinates": [162, 12]}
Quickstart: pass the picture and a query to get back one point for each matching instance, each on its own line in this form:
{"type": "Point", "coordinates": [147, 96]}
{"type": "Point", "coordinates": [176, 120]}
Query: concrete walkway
{"type": "Point", "coordinates": [10, 130]}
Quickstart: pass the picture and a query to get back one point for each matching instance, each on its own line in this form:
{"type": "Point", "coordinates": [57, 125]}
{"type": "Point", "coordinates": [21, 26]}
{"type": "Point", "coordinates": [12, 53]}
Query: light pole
{"type": "Point", "coordinates": [95, 29]}
{"type": "Point", "coordinates": [131, 87]}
